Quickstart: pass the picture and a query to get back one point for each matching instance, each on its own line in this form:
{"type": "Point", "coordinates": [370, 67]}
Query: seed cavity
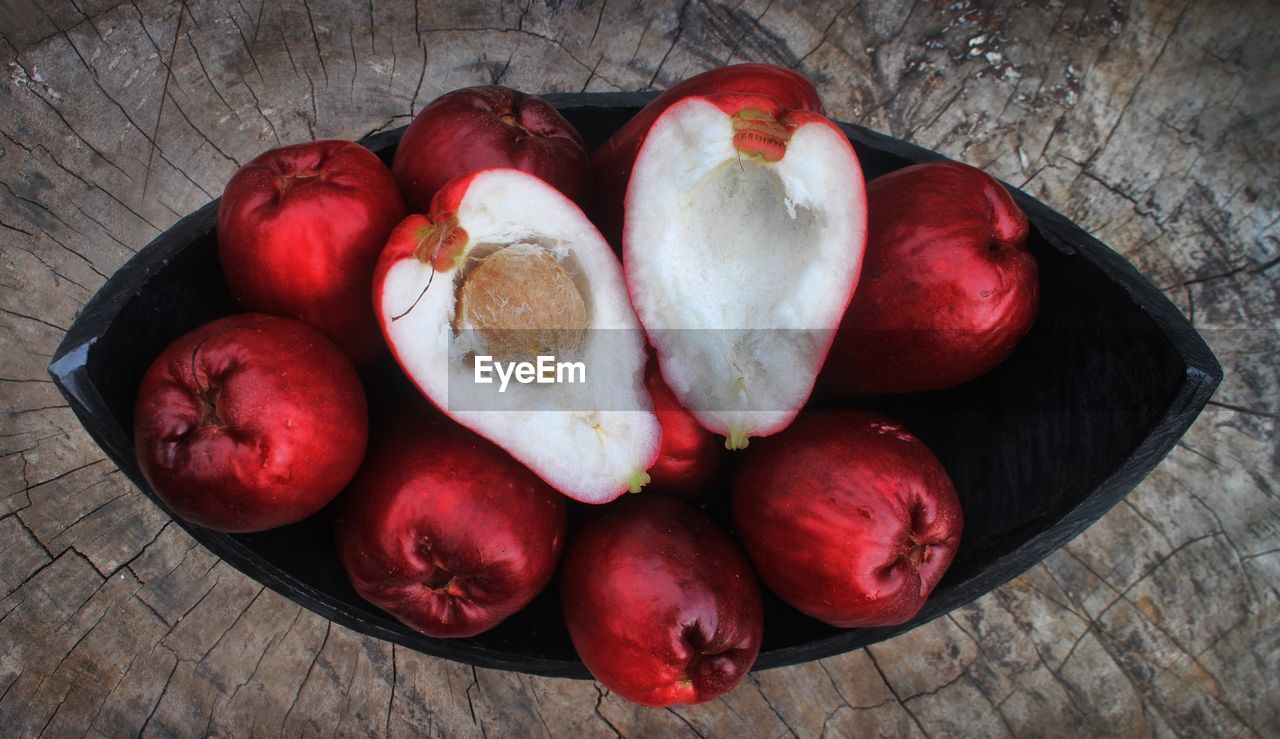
{"type": "Point", "coordinates": [523, 303]}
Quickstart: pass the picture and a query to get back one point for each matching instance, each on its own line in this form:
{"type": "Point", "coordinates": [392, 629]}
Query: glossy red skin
{"type": "Point", "coordinates": [834, 511]}
{"type": "Point", "coordinates": [446, 532]}
{"type": "Point", "coordinates": [489, 127]}
{"type": "Point", "coordinates": [731, 105]}
{"type": "Point", "coordinates": [690, 456]}
{"type": "Point", "coordinates": [250, 422]}
{"type": "Point", "coordinates": [299, 232]}
{"type": "Point", "coordinates": [948, 287]}
{"type": "Point", "coordinates": [611, 162]}
{"type": "Point", "coordinates": [661, 605]}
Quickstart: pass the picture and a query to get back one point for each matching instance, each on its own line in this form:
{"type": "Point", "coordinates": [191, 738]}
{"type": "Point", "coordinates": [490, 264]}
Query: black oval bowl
{"type": "Point", "coordinates": [1108, 379]}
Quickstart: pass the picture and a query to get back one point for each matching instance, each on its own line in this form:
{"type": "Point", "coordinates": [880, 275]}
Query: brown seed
{"type": "Point", "coordinates": [524, 304]}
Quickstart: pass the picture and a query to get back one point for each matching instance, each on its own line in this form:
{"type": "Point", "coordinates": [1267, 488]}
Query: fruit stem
{"type": "Point", "coordinates": [637, 480]}
{"type": "Point", "coordinates": [737, 439]}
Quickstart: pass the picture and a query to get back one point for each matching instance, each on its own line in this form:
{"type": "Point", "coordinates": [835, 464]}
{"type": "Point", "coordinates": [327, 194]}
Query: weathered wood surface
{"type": "Point", "coordinates": [1155, 125]}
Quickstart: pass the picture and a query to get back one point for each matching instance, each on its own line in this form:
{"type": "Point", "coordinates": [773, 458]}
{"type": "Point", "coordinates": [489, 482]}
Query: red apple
{"type": "Point", "coordinates": [299, 232]}
{"type": "Point", "coordinates": [249, 422]}
{"type": "Point", "coordinates": [745, 225]}
{"type": "Point", "coordinates": [445, 532]}
{"type": "Point", "coordinates": [477, 128]}
{"type": "Point", "coordinates": [948, 288]}
{"type": "Point", "coordinates": [847, 517]}
{"type": "Point", "coordinates": [690, 456]}
{"type": "Point", "coordinates": [661, 605]}
{"type": "Point", "coordinates": [611, 162]}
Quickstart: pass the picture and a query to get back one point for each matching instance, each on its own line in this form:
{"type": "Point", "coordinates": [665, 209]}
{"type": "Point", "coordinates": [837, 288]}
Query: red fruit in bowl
{"type": "Point", "coordinates": [489, 127]}
{"type": "Point", "coordinates": [445, 532]}
{"type": "Point", "coordinates": [690, 456]}
{"type": "Point", "coordinates": [611, 162]}
{"type": "Point", "coordinates": [745, 225]}
{"type": "Point", "coordinates": [505, 272]}
{"type": "Point", "coordinates": [661, 605]}
{"type": "Point", "coordinates": [847, 517]}
{"type": "Point", "coordinates": [249, 422]}
{"type": "Point", "coordinates": [299, 232]}
{"type": "Point", "coordinates": [948, 288]}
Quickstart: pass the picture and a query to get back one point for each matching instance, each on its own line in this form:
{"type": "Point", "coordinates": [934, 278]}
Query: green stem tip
{"type": "Point", "coordinates": [637, 480]}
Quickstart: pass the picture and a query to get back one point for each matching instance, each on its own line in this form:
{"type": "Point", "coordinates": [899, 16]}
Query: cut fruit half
{"type": "Point", "coordinates": [508, 310]}
{"type": "Point", "coordinates": [744, 232]}
{"type": "Point", "coordinates": [612, 161]}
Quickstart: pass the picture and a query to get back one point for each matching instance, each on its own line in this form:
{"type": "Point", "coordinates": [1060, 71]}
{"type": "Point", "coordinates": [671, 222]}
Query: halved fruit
{"type": "Point", "coordinates": [744, 233]}
{"type": "Point", "coordinates": [611, 162]}
{"type": "Point", "coordinates": [506, 272]}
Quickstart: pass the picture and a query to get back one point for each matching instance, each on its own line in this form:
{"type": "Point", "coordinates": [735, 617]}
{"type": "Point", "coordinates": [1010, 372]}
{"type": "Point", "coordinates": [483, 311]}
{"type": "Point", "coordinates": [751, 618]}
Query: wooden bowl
{"type": "Point", "coordinates": [1108, 379]}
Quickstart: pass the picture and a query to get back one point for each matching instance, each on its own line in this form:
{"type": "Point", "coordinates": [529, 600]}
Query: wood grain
{"type": "Point", "coordinates": [1154, 125]}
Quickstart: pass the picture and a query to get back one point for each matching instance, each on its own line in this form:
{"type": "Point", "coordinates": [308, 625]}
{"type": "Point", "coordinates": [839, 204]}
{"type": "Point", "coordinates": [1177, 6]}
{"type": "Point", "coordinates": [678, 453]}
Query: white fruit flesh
{"type": "Point", "coordinates": [752, 262]}
{"type": "Point", "coordinates": [593, 440]}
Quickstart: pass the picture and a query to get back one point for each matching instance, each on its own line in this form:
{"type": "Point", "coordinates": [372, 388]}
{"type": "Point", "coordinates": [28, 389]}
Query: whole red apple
{"type": "Point", "coordinates": [689, 456]}
{"type": "Point", "coordinates": [611, 162]}
{"type": "Point", "coordinates": [661, 605]}
{"type": "Point", "coordinates": [300, 229]}
{"type": "Point", "coordinates": [249, 422]}
{"type": "Point", "coordinates": [488, 127]}
{"type": "Point", "coordinates": [445, 531]}
{"type": "Point", "coordinates": [847, 517]}
{"type": "Point", "coordinates": [948, 287]}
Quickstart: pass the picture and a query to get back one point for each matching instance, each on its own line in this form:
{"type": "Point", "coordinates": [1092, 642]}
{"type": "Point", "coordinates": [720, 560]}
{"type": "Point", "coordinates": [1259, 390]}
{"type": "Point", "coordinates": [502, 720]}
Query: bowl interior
{"type": "Point", "coordinates": [1028, 446]}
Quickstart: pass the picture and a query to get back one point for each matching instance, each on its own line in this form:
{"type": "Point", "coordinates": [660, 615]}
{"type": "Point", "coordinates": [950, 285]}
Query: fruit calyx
{"type": "Point", "coordinates": [287, 181]}
{"type": "Point", "coordinates": [441, 580]}
{"type": "Point", "coordinates": [450, 587]}
{"type": "Point", "coordinates": [441, 243]}
{"type": "Point", "coordinates": [916, 552]}
{"type": "Point", "coordinates": [510, 119]}
{"type": "Point", "coordinates": [758, 133]}
{"type": "Point", "coordinates": [207, 400]}
{"type": "Point", "coordinates": [916, 546]}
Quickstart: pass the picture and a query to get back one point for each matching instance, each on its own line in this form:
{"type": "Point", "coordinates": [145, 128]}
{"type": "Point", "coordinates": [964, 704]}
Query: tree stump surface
{"type": "Point", "coordinates": [1156, 126]}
